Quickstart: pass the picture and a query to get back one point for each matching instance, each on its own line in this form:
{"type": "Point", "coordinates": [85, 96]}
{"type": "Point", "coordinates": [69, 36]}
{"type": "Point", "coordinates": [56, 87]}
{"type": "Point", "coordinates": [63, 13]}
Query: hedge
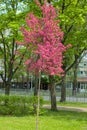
{"type": "Point", "coordinates": [18, 105]}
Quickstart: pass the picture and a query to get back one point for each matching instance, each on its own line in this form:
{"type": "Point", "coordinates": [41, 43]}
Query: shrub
{"type": "Point", "coordinates": [18, 105]}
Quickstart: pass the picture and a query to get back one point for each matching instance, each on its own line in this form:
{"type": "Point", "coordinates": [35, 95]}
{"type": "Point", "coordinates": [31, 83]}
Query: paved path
{"type": "Point", "coordinates": [78, 109]}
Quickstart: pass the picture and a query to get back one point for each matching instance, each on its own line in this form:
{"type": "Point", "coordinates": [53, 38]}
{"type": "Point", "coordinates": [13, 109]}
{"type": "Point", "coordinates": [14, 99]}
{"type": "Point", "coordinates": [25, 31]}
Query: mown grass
{"type": "Point", "coordinates": [71, 104]}
{"type": "Point", "coordinates": [48, 120]}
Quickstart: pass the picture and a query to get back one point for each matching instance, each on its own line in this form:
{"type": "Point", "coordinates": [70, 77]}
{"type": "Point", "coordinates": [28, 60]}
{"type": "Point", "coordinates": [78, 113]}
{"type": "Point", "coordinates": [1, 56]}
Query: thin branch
{"type": "Point", "coordinates": [11, 61]}
{"type": "Point", "coordinates": [66, 34]}
{"type": "Point", "coordinates": [75, 60]}
{"type": "Point", "coordinates": [2, 77]}
{"type": "Point", "coordinates": [63, 6]}
{"type": "Point", "coordinates": [5, 57]}
{"type": "Point", "coordinates": [8, 49]}
{"type": "Point", "coordinates": [38, 104]}
{"type": "Point", "coordinates": [1, 50]}
{"type": "Point", "coordinates": [3, 42]}
{"type": "Point", "coordinates": [13, 45]}
{"type": "Point", "coordinates": [19, 62]}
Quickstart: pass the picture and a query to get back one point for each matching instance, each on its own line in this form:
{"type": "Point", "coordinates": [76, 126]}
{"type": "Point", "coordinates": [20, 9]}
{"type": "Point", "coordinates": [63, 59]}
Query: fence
{"type": "Point", "coordinates": [79, 97]}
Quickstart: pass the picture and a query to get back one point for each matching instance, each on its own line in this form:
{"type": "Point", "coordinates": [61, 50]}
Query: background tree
{"type": "Point", "coordinates": [12, 13]}
{"type": "Point", "coordinates": [72, 14]}
{"type": "Point", "coordinates": [44, 37]}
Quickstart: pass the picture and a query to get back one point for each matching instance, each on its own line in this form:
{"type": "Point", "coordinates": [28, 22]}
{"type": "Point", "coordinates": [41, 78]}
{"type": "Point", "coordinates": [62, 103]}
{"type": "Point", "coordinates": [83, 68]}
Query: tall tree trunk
{"type": "Point", "coordinates": [7, 87]}
{"type": "Point", "coordinates": [63, 89]}
{"type": "Point", "coordinates": [52, 93]}
{"type": "Point", "coordinates": [74, 79]}
{"type": "Point", "coordinates": [36, 86]}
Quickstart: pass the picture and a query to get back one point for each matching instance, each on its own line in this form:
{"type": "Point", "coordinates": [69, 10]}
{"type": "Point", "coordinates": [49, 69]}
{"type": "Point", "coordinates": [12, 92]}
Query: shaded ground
{"type": "Point", "coordinates": [77, 109]}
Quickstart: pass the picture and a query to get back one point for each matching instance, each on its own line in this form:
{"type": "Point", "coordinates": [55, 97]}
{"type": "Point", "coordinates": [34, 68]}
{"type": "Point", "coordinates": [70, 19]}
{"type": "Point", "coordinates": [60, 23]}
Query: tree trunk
{"type": "Point", "coordinates": [52, 93]}
{"type": "Point", "coordinates": [36, 86]}
{"type": "Point", "coordinates": [63, 89]}
{"type": "Point", "coordinates": [7, 88]}
{"type": "Point", "coordinates": [74, 79]}
{"type": "Point", "coordinates": [38, 104]}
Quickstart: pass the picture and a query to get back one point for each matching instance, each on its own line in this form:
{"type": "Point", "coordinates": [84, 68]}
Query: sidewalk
{"type": "Point", "coordinates": [77, 109]}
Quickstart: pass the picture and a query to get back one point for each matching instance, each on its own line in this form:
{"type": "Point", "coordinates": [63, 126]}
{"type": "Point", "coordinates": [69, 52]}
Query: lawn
{"type": "Point", "coordinates": [49, 120]}
{"type": "Point", "coordinates": [70, 104]}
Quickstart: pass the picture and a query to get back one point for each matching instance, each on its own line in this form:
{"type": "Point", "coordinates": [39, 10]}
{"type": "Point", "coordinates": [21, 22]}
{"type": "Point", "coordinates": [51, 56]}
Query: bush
{"type": "Point", "coordinates": [18, 105]}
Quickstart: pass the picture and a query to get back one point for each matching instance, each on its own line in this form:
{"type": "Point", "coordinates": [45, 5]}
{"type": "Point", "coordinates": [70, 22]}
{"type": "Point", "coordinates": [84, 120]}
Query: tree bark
{"type": "Point", "coordinates": [38, 104]}
{"type": "Point", "coordinates": [36, 86]}
{"type": "Point", "coordinates": [52, 93]}
{"type": "Point", "coordinates": [7, 87]}
{"type": "Point", "coordinates": [63, 89]}
{"type": "Point", "coordinates": [74, 79]}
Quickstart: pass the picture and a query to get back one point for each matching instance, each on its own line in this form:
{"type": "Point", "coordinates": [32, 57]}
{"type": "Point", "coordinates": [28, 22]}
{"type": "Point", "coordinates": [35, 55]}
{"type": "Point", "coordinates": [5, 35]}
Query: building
{"type": "Point", "coordinates": [81, 76]}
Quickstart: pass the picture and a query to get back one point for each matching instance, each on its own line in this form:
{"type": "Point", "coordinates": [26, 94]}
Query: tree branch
{"type": "Point", "coordinates": [1, 50]}
{"type": "Point", "coordinates": [5, 57]}
{"type": "Point", "coordinates": [63, 6]}
{"type": "Point", "coordinates": [2, 77]}
{"type": "Point", "coordinates": [66, 34]}
{"type": "Point", "coordinates": [10, 64]}
{"type": "Point", "coordinates": [78, 56]}
{"type": "Point", "coordinates": [19, 63]}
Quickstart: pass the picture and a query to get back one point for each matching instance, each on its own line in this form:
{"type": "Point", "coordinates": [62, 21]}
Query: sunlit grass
{"type": "Point", "coordinates": [71, 104]}
{"type": "Point", "coordinates": [48, 120]}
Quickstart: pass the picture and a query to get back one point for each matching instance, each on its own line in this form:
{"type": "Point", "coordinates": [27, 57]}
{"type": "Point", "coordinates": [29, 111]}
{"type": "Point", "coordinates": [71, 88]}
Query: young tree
{"type": "Point", "coordinates": [44, 37]}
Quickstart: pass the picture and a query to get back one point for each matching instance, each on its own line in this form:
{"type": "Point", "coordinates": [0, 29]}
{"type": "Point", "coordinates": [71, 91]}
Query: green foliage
{"type": "Point", "coordinates": [69, 104]}
{"type": "Point", "coordinates": [18, 105]}
{"type": "Point", "coordinates": [72, 15]}
{"type": "Point", "coordinates": [12, 17]}
{"type": "Point", "coordinates": [35, 9]}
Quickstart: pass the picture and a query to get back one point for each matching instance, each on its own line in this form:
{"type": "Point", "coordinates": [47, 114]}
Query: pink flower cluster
{"type": "Point", "coordinates": [45, 36]}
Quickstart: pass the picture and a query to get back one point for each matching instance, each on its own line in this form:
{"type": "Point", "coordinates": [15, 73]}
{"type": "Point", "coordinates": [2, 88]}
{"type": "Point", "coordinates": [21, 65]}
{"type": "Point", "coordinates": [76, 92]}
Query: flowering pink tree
{"type": "Point", "coordinates": [44, 37]}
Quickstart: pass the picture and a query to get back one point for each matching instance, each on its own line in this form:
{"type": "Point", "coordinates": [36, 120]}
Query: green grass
{"type": "Point", "coordinates": [48, 120]}
{"type": "Point", "coordinates": [71, 104]}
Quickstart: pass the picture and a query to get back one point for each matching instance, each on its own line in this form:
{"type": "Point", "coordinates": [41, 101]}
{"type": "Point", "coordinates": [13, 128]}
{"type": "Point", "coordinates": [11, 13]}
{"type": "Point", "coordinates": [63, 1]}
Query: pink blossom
{"type": "Point", "coordinates": [69, 46]}
{"type": "Point", "coordinates": [45, 36]}
{"type": "Point", "coordinates": [27, 62]}
{"type": "Point", "coordinates": [16, 52]}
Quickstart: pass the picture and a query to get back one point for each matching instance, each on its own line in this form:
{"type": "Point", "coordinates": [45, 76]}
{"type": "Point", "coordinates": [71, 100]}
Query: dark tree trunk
{"type": "Point", "coordinates": [7, 88]}
{"type": "Point", "coordinates": [74, 79]}
{"type": "Point", "coordinates": [22, 81]}
{"type": "Point", "coordinates": [63, 89]}
{"type": "Point", "coordinates": [36, 86]}
{"type": "Point", "coordinates": [52, 93]}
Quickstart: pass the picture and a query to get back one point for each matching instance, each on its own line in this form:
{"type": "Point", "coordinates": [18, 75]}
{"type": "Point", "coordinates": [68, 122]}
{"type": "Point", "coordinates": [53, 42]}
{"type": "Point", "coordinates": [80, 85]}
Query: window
{"type": "Point", "coordinates": [81, 72]}
{"type": "Point", "coordinates": [84, 64]}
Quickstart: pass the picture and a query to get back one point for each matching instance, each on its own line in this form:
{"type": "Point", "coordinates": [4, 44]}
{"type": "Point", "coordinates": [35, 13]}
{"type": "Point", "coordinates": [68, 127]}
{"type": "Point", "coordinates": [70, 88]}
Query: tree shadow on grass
{"type": "Point", "coordinates": [63, 114]}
